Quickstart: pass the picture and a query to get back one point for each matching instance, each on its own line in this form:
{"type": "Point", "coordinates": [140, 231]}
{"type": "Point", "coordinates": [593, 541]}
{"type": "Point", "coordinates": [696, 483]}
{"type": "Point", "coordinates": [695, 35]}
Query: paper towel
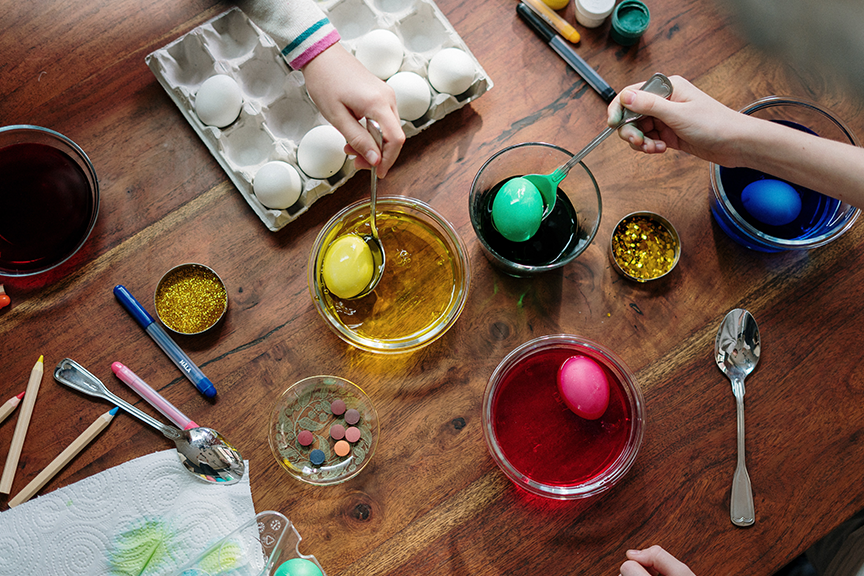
{"type": "Point", "coordinates": [145, 514]}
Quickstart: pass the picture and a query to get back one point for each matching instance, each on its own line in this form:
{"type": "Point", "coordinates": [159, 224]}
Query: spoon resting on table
{"type": "Point", "coordinates": [204, 452]}
{"type": "Point", "coordinates": [523, 202]}
{"type": "Point", "coordinates": [736, 351]}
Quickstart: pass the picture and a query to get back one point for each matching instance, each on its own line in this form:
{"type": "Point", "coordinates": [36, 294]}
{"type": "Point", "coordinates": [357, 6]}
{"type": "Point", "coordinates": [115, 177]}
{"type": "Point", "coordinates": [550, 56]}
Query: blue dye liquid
{"type": "Point", "coordinates": [817, 217]}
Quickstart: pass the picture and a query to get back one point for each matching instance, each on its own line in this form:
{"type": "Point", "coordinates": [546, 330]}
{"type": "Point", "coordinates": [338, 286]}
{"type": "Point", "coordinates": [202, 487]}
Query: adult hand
{"type": "Point", "coordinates": [690, 121]}
{"type": "Point", "coordinates": [345, 91]}
{"type": "Point", "coordinates": [654, 561]}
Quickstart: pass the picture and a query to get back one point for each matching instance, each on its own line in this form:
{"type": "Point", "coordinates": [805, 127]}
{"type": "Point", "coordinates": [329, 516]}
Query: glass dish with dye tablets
{"type": "Point", "coordinates": [817, 219]}
{"type": "Point", "coordinates": [49, 199]}
{"type": "Point", "coordinates": [190, 299]}
{"type": "Point", "coordinates": [423, 288]}
{"type": "Point", "coordinates": [543, 446]}
{"type": "Point", "coordinates": [644, 246]}
{"type": "Point", "coordinates": [562, 236]}
{"type": "Point", "coordinates": [323, 430]}
{"type": "Point", "coordinates": [266, 545]}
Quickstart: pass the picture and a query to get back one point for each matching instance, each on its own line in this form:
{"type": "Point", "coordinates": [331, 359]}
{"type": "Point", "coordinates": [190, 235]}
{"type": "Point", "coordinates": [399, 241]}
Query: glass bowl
{"type": "Point", "coordinates": [307, 406]}
{"type": "Point", "coordinates": [423, 288]}
{"type": "Point", "coordinates": [539, 443]}
{"type": "Point", "coordinates": [50, 199]}
{"type": "Point", "coordinates": [822, 218]}
{"type": "Point", "coordinates": [559, 241]}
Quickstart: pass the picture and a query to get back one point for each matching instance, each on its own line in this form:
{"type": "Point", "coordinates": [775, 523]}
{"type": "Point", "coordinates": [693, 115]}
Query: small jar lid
{"type": "Point", "coordinates": [595, 8]}
{"type": "Point", "coordinates": [629, 21]}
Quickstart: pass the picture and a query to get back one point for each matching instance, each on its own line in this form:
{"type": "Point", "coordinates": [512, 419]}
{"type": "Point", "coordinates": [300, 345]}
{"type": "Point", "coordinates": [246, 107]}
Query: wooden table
{"type": "Point", "coordinates": [433, 501]}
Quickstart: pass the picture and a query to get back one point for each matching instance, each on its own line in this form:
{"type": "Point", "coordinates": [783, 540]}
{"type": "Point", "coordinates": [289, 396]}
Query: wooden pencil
{"type": "Point", "coordinates": [10, 406]}
{"type": "Point", "coordinates": [21, 427]}
{"type": "Point", "coordinates": [64, 458]}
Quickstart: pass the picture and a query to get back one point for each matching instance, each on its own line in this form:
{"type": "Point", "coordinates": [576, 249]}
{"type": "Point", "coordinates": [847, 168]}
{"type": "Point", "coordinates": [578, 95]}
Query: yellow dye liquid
{"type": "Point", "coordinates": [417, 289]}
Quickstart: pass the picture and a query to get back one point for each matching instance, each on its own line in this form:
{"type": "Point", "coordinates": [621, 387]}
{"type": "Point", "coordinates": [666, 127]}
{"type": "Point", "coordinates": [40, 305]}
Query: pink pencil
{"type": "Point", "coordinates": [10, 406]}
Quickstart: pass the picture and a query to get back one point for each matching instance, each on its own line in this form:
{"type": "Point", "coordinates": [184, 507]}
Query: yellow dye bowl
{"type": "Point", "coordinates": [644, 246]}
{"type": "Point", "coordinates": [423, 288]}
{"type": "Point", "coordinates": [190, 299]}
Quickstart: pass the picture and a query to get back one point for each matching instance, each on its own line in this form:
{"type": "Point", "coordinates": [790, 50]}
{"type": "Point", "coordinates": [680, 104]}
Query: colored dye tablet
{"type": "Point", "coordinates": [298, 567]}
{"type": "Point", "coordinates": [337, 432]}
{"type": "Point", "coordinates": [342, 448]}
{"type": "Point", "coordinates": [352, 416]}
{"type": "Point", "coordinates": [317, 457]}
{"type": "Point", "coordinates": [352, 434]}
{"type": "Point", "coordinates": [337, 407]}
{"type": "Point", "coordinates": [305, 438]}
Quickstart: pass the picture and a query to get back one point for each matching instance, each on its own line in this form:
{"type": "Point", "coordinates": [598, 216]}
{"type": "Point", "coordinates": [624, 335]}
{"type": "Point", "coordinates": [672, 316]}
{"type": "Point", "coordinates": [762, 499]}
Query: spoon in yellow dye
{"type": "Point", "coordinates": [353, 265]}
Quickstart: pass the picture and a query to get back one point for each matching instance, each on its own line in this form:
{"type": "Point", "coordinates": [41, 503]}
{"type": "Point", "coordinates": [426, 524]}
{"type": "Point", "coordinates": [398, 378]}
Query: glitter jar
{"type": "Point", "coordinates": [190, 299]}
{"type": "Point", "coordinates": [644, 247]}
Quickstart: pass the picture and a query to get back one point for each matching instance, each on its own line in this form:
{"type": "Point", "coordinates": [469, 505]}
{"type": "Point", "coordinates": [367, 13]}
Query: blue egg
{"type": "Point", "coordinates": [771, 202]}
{"type": "Point", "coordinates": [517, 210]}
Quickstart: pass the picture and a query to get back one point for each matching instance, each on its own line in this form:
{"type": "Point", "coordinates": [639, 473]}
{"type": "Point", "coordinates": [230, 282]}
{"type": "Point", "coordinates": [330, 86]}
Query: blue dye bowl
{"type": "Point", "coordinates": [822, 218]}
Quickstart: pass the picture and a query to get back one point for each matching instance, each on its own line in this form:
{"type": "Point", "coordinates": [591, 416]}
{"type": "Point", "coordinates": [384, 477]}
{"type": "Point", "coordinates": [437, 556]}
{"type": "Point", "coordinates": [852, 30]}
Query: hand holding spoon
{"type": "Point", "coordinates": [203, 451]}
{"type": "Point", "coordinates": [736, 351]}
{"type": "Point", "coordinates": [517, 209]}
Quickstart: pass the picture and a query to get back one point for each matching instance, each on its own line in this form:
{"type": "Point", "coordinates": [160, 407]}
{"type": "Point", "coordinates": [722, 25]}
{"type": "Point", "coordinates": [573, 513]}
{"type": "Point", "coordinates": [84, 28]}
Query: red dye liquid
{"type": "Point", "coordinates": [542, 438]}
{"type": "Point", "coordinates": [45, 206]}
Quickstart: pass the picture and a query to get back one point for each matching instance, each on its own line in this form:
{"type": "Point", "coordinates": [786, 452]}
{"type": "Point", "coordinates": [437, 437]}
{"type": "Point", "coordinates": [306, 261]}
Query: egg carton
{"type": "Point", "coordinates": [277, 110]}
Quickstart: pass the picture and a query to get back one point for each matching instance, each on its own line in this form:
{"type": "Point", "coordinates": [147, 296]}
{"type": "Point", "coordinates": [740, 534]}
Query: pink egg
{"type": "Point", "coordinates": [584, 387]}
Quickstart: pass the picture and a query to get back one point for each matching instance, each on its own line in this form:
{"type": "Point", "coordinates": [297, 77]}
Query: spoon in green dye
{"type": "Point", "coordinates": [516, 215]}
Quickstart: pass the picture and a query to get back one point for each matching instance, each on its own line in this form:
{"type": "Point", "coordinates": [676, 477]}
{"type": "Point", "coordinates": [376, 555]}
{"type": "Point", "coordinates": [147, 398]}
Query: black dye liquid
{"type": "Point", "coordinates": [556, 238]}
{"type": "Point", "coordinates": [45, 206]}
{"type": "Point", "coordinates": [817, 210]}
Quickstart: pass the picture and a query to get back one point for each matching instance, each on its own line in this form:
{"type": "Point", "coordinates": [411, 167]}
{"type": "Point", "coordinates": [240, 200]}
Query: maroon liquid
{"type": "Point", "coordinates": [45, 206]}
{"type": "Point", "coordinates": [542, 438]}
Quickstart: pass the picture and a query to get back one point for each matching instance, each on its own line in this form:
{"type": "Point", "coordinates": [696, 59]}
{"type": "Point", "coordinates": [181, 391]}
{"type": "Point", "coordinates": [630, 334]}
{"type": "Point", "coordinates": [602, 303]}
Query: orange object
{"type": "Point", "coordinates": [4, 298]}
{"type": "Point", "coordinates": [342, 448]}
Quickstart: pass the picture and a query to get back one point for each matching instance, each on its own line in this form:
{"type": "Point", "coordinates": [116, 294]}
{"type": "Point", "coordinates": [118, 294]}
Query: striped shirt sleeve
{"type": "Point", "coordinates": [299, 27]}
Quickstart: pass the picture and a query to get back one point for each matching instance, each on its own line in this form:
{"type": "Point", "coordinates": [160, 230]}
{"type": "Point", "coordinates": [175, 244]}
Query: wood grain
{"type": "Point", "coordinates": [432, 500]}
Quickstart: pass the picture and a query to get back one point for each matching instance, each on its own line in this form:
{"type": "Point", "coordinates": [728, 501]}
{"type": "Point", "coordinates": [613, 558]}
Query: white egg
{"type": "Point", "coordinates": [277, 185]}
{"type": "Point", "coordinates": [451, 71]}
{"type": "Point", "coordinates": [412, 94]}
{"type": "Point", "coordinates": [321, 152]}
{"type": "Point", "coordinates": [218, 101]}
{"type": "Point", "coordinates": [381, 52]}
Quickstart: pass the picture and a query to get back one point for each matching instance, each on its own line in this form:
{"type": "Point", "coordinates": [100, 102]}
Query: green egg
{"type": "Point", "coordinates": [517, 210]}
{"type": "Point", "coordinates": [298, 567]}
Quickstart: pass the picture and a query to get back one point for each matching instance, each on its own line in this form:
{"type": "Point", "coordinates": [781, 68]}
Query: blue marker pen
{"type": "Point", "coordinates": [189, 369]}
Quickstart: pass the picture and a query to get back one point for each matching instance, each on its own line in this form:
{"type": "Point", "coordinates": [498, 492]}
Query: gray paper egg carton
{"type": "Point", "coordinates": [277, 110]}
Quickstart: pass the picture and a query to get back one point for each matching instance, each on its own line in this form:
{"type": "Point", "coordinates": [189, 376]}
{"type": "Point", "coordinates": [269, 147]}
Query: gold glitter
{"type": "Point", "coordinates": [190, 299]}
{"type": "Point", "coordinates": [643, 248]}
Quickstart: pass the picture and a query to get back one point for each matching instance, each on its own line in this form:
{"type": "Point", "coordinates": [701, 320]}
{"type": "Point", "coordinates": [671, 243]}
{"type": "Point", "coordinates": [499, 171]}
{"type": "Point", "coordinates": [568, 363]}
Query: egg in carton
{"type": "Point", "coordinates": [229, 63]}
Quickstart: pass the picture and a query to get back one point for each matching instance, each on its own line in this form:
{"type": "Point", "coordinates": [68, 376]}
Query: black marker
{"type": "Point", "coordinates": [548, 35]}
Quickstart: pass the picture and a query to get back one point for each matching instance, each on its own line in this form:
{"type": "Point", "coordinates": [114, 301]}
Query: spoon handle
{"type": "Point", "coordinates": [741, 506]}
{"type": "Point", "coordinates": [75, 376]}
{"type": "Point", "coordinates": [375, 131]}
{"type": "Point", "coordinates": [658, 84]}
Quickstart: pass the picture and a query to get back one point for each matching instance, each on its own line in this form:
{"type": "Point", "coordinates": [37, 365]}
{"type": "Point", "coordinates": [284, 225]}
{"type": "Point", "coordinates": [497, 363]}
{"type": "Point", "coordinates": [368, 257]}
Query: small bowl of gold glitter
{"type": "Point", "coordinates": [645, 246]}
{"type": "Point", "coordinates": [191, 299]}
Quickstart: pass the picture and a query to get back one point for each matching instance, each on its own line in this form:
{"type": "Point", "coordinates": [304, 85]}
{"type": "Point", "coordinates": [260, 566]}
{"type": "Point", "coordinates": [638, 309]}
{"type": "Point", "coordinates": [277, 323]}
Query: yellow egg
{"type": "Point", "coordinates": [348, 266]}
{"type": "Point", "coordinates": [556, 4]}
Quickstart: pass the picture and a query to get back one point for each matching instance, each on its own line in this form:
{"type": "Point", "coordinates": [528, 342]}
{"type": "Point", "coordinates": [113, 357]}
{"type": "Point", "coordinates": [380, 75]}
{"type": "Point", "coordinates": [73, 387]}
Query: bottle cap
{"type": "Point", "coordinates": [592, 13]}
{"type": "Point", "coordinates": [629, 21]}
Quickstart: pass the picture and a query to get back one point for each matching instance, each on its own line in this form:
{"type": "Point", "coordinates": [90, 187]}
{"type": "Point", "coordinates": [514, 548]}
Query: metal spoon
{"type": "Point", "coordinates": [547, 184]}
{"type": "Point", "coordinates": [203, 451]}
{"type": "Point", "coordinates": [736, 351]}
{"type": "Point", "coordinates": [372, 240]}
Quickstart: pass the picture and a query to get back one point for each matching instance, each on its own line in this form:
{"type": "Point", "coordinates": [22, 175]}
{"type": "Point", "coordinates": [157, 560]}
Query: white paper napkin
{"type": "Point", "coordinates": [145, 514]}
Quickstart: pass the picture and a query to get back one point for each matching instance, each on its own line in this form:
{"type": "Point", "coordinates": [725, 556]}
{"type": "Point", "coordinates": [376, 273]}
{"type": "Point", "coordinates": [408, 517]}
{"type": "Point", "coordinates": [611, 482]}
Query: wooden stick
{"type": "Point", "coordinates": [64, 458]}
{"type": "Point", "coordinates": [10, 406]}
{"type": "Point", "coordinates": [21, 427]}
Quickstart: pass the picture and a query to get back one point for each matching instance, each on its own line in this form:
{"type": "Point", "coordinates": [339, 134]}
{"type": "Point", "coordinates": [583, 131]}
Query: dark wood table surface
{"type": "Point", "coordinates": [432, 501]}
